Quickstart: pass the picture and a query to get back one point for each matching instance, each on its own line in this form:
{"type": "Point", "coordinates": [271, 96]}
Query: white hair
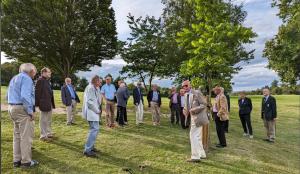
{"type": "Point", "coordinates": [27, 68]}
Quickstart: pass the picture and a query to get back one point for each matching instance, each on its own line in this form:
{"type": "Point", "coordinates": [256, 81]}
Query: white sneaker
{"type": "Point", "coordinates": [251, 136]}
{"type": "Point", "coordinates": [245, 134]}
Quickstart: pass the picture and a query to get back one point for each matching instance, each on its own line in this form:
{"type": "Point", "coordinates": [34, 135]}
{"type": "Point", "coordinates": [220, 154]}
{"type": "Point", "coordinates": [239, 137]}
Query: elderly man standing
{"type": "Point", "coordinates": [220, 114]}
{"type": "Point", "coordinates": [195, 106]}
{"type": "Point", "coordinates": [108, 92]}
{"type": "Point", "coordinates": [20, 95]}
{"type": "Point", "coordinates": [154, 101]}
{"type": "Point", "coordinates": [91, 112]}
{"type": "Point", "coordinates": [122, 97]}
{"type": "Point", "coordinates": [139, 103]}
{"type": "Point", "coordinates": [269, 114]}
{"type": "Point", "coordinates": [44, 99]}
{"type": "Point", "coordinates": [70, 99]}
{"type": "Point", "coordinates": [175, 101]}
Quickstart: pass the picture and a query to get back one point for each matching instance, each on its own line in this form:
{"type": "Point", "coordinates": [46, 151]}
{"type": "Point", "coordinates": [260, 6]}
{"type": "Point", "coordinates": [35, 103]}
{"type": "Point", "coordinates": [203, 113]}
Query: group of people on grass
{"type": "Point", "coordinates": [189, 108]}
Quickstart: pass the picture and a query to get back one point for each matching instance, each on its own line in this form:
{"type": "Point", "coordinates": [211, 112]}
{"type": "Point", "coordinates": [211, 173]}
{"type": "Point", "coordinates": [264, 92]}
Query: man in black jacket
{"type": "Point", "coordinates": [70, 99]}
{"type": "Point", "coordinates": [154, 101]}
{"type": "Point", "coordinates": [245, 108]}
{"type": "Point", "coordinates": [138, 101]}
{"type": "Point", "coordinates": [269, 114]}
{"type": "Point", "coordinates": [44, 99]}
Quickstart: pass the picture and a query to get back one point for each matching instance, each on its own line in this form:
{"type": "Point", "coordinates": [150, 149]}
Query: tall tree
{"type": "Point", "coordinates": [143, 52]}
{"type": "Point", "coordinates": [67, 36]}
{"type": "Point", "coordinates": [215, 43]}
{"type": "Point", "coordinates": [283, 51]}
{"type": "Point", "coordinates": [8, 70]}
{"type": "Point", "coordinates": [177, 14]}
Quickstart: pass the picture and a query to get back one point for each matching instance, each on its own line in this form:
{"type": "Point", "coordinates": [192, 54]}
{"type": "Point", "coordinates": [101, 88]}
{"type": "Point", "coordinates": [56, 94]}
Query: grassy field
{"type": "Point", "coordinates": [165, 148]}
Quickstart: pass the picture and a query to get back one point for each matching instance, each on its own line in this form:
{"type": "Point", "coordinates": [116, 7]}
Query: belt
{"type": "Point", "coordinates": [15, 103]}
{"type": "Point", "coordinates": [111, 100]}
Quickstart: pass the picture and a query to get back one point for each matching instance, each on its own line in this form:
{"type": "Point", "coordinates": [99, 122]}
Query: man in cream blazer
{"type": "Point", "coordinates": [91, 112]}
{"type": "Point", "coordinates": [195, 106]}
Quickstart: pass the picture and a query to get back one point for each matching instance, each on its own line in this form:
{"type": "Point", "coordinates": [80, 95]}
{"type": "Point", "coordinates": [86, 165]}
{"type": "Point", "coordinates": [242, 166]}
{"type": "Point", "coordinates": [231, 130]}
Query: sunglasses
{"type": "Point", "coordinates": [185, 86]}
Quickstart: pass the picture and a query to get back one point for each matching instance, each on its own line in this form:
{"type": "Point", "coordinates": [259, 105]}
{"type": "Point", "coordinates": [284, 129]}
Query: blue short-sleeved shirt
{"type": "Point", "coordinates": [108, 91]}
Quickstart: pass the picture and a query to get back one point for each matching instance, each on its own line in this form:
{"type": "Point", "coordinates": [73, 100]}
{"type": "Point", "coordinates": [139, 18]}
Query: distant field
{"type": "Point", "coordinates": [163, 149]}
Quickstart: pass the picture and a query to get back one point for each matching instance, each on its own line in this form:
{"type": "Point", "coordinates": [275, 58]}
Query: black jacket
{"type": "Point", "coordinates": [245, 107]}
{"type": "Point", "coordinates": [44, 98]}
{"type": "Point", "coordinates": [137, 97]}
{"type": "Point", "coordinates": [66, 96]}
{"type": "Point", "coordinates": [150, 95]}
{"type": "Point", "coordinates": [178, 99]}
{"type": "Point", "coordinates": [268, 108]}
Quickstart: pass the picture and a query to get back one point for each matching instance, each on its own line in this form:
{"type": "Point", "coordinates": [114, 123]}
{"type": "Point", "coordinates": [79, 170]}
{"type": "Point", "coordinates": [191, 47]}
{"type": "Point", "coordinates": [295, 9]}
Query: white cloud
{"type": "Point", "coordinates": [136, 8]}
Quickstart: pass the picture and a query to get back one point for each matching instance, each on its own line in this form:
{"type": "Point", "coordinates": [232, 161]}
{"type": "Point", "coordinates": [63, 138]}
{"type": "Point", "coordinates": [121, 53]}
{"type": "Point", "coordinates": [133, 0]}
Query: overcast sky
{"type": "Point", "coordinates": [261, 17]}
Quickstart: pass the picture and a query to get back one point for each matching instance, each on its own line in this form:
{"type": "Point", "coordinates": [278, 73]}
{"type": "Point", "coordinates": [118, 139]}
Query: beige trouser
{"type": "Point", "coordinates": [196, 142]}
{"type": "Point", "coordinates": [155, 109]}
{"type": "Point", "coordinates": [139, 113]}
{"type": "Point", "coordinates": [45, 124]}
{"type": "Point", "coordinates": [270, 127]}
{"type": "Point", "coordinates": [23, 133]}
{"type": "Point", "coordinates": [110, 112]}
{"type": "Point", "coordinates": [71, 111]}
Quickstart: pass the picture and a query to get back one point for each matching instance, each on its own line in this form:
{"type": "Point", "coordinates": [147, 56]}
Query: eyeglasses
{"type": "Point", "coordinates": [185, 86]}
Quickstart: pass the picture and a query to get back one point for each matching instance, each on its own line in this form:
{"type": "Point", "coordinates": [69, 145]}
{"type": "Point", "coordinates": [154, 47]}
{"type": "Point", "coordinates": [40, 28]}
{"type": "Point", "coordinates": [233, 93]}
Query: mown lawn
{"type": "Point", "coordinates": [165, 148]}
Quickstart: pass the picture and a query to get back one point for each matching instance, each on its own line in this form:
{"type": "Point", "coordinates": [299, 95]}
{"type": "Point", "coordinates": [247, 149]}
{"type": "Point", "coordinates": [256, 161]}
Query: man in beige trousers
{"type": "Point", "coordinates": [70, 99]}
{"type": "Point", "coordinates": [154, 102]}
{"type": "Point", "coordinates": [44, 99]}
{"type": "Point", "coordinates": [20, 95]}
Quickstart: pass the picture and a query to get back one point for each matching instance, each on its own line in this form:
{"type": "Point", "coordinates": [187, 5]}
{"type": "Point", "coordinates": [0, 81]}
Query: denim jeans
{"type": "Point", "coordinates": [92, 135]}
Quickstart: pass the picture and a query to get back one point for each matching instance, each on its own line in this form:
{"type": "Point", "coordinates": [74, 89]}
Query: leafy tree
{"type": "Point", "coordinates": [274, 84]}
{"type": "Point", "coordinates": [143, 52]}
{"type": "Point", "coordinates": [283, 51]}
{"type": "Point", "coordinates": [66, 36]}
{"type": "Point", "coordinates": [177, 14]}
{"type": "Point", "coordinates": [215, 43]}
{"type": "Point", "coordinates": [8, 71]}
{"type": "Point", "coordinates": [81, 84]}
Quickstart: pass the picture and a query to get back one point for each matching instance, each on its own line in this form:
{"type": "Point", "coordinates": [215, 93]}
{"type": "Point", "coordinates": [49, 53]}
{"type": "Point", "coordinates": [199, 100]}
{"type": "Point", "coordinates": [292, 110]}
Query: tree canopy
{"type": "Point", "coordinates": [66, 36]}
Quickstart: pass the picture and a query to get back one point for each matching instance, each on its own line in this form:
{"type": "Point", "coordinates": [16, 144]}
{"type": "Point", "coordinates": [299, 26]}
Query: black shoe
{"type": "Point", "coordinates": [90, 154]}
{"type": "Point", "coordinates": [95, 150]}
{"type": "Point", "coordinates": [33, 163]}
{"type": "Point", "coordinates": [220, 146]}
{"type": "Point", "coordinates": [193, 160]}
{"type": "Point", "coordinates": [266, 139]}
{"type": "Point", "coordinates": [73, 123]}
{"type": "Point", "coordinates": [17, 164]}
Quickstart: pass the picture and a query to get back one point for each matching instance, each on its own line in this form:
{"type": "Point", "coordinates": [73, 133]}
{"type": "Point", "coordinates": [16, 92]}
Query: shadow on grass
{"type": "Point", "coordinates": [104, 157]}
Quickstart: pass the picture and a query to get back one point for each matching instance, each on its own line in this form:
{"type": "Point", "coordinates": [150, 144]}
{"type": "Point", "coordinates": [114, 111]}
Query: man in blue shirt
{"type": "Point", "coordinates": [154, 101]}
{"type": "Point", "coordinates": [70, 99]}
{"type": "Point", "coordinates": [20, 95]}
{"type": "Point", "coordinates": [108, 92]}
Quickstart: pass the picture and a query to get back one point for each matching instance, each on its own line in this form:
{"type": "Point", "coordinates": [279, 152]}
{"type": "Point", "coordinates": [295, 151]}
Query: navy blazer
{"type": "Point", "coordinates": [66, 96]}
{"type": "Point", "coordinates": [268, 108]}
{"type": "Point", "coordinates": [150, 96]}
{"type": "Point", "coordinates": [137, 97]}
{"type": "Point", "coordinates": [245, 107]}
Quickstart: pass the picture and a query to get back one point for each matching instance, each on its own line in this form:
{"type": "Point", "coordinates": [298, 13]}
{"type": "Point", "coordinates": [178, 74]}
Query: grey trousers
{"type": "Point", "coordinates": [45, 124]}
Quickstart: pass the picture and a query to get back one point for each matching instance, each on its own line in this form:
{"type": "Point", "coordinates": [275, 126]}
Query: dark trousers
{"type": "Point", "coordinates": [220, 127]}
{"type": "Point", "coordinates": [226, 126]}
{"type": "Point", "coordinates": [184, 121]}
{"type": "Point", "coordinates": [246, 122]}
{"type": "Point", "coordinates": [120, 115]}
{"type": "Point", "coordinates": [125, 115]}
{"type": "Point", "coordinates": [175, 112]}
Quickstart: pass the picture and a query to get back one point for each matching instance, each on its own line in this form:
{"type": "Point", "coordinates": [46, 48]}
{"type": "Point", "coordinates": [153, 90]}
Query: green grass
{"type": "Point", "coordinates": [163, 149]}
